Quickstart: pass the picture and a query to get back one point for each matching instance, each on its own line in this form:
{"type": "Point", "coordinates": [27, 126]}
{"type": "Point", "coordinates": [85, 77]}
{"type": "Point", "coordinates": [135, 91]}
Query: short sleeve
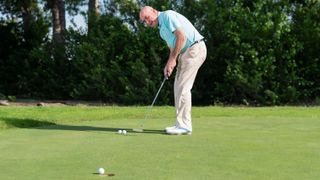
{"type": "Point", "coordinates": [172, 22]}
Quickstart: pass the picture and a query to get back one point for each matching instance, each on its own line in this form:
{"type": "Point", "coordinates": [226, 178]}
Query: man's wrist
{"type": "Point", "coordinates": [172, 59]}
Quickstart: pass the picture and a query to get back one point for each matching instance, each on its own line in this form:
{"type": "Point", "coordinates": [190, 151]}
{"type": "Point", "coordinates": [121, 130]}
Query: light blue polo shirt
{"type": "Point", "coordinates": [169, 21]}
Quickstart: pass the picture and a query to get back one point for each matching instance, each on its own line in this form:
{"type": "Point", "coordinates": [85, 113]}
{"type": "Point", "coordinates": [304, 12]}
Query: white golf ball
{"type": "Point", "coordinates": [120, 131]}
{"type": "Point", "coordinates": [124, 132]}
{"type": "Point", "coordinates": [101, 171]}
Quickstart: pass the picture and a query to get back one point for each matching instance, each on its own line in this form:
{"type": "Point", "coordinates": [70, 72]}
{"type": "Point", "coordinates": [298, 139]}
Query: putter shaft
{"type": "Point", "coordinates": [150, 107]}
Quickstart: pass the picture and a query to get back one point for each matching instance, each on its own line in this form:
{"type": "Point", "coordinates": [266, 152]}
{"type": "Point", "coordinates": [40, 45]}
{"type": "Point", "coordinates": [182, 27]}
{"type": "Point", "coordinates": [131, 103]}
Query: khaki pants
{"type": "Point", "coordinates": [188, 66]}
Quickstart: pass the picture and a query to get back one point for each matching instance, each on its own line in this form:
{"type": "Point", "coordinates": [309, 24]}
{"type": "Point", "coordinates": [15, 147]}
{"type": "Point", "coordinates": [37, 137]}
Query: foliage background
{"type": "Point", "coordinates": [262, 52]}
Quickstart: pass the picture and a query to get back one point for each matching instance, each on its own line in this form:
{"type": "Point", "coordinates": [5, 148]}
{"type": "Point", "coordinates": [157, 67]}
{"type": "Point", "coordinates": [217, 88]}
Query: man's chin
{"type": "Point", "coordinates": [153, 24]}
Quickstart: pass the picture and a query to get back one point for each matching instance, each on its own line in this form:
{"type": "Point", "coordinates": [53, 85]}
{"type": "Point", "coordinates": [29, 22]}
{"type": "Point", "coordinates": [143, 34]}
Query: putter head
{"type": "Point", "coordinates": [138, 129]}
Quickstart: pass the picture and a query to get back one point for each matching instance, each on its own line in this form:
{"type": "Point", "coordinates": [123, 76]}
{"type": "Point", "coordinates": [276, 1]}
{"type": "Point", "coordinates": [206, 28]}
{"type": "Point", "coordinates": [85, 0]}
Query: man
{"type": "Point", "coordinates": [187, 46]}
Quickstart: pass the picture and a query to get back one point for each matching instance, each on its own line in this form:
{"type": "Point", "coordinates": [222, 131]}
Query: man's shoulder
{"type": "Point", "coordinates": [169, 13]}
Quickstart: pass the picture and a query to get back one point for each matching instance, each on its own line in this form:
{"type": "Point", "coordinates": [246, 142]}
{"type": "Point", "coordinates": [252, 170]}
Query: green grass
{"type": "Point", "coordinates": [227, 143]}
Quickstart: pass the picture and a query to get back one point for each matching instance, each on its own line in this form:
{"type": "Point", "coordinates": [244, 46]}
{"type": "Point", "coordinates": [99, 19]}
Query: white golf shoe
{"type": "Point", "coordinates": [171, 127]}
{"type": "Point", "coordinates": [178, 131]}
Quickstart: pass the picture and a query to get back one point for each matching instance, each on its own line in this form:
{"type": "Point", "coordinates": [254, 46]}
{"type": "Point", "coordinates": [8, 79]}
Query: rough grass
{"type": "Point", "coordinates": [227, 143]}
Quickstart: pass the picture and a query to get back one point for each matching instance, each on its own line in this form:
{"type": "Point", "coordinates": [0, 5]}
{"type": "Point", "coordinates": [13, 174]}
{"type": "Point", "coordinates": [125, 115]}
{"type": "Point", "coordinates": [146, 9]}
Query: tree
{"type": "Point", "coordinates": [23, 28]}
{"type": "Point", "coordinates": [93, 13]}
{"type": "Point", "coordinates": [306, 23]}
{"type": "Point", "coordinates": [57, 8]}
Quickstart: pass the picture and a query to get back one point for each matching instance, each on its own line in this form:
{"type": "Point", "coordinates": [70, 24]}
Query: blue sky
{"type": "Point", "coordinates": [79, 20]}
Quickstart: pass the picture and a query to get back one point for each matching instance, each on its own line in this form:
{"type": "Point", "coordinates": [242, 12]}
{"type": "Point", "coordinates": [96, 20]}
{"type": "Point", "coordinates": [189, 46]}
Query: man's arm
{"type": "Point", "coordinates": [171, 63]}
{"type": "Point", "coordinates": [179, 43]}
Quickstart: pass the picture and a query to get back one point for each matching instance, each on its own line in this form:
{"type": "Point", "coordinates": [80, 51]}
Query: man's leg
{"type": "Point", "coordinates": [187, 69]}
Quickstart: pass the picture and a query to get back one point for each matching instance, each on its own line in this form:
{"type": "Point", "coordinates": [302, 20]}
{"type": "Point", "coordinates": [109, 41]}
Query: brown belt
{"type": "Point", "coordinates": [197, 41]}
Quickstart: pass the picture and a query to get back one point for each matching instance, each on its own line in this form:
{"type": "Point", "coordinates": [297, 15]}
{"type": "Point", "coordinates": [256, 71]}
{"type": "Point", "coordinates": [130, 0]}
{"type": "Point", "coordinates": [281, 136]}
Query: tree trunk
{"type": "Point", "coordinates": [26, 10]}
{"type": "Point", "coordinates": [58, 20]}
{"type": "Point", "coordinates": [93, 13]}
{"type": "Point", "coordinates": [58, 40]}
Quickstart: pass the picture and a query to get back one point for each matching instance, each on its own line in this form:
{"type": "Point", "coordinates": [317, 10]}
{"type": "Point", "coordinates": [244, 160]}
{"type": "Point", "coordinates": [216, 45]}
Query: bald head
{"type": "Point", "coordinates": [149, 16]}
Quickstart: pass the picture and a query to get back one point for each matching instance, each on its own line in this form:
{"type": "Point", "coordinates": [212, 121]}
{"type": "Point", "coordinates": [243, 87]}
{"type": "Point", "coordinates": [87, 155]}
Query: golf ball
{"type": "Point", "coordinates": [124, 132]}
{"type": "Point", "coordinates": [101, 171]}
{"type": "Point", "coordinates": [120, 131]}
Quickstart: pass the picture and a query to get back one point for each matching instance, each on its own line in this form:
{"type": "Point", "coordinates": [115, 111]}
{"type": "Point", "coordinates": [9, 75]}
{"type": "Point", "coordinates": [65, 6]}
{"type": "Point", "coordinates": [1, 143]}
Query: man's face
{"type": "Point", "coordinates": [149, 17]}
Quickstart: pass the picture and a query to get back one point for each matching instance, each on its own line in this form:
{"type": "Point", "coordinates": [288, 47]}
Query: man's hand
{"type": "Point", "coordinates": [169, 68]}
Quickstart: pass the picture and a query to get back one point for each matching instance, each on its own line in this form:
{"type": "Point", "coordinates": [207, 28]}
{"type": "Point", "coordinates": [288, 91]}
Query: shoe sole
{"type": "Point", "coordinates": [188, 133]}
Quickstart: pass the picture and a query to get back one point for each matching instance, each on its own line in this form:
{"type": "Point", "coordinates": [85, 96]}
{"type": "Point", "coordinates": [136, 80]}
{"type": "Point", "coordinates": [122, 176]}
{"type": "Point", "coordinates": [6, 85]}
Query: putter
{"type": "Point", "coordinates": [149, 109]}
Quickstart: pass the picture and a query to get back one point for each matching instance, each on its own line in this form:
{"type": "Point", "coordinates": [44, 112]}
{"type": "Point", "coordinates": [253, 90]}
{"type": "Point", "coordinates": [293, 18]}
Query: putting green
{"type": "Point", "coordinates": [227, 143]}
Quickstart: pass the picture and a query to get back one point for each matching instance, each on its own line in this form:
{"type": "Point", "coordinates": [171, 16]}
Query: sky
{"type": "Point", "coordinates": [79, 20]}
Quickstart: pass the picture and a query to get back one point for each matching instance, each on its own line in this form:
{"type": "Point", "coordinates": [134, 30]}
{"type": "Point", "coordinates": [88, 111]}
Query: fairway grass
{"type": "Point", "coordinates": [72, 142]}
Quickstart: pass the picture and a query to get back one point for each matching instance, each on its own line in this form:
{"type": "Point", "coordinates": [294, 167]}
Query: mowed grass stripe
{"type": "Point", "coordinates": [227, 143]}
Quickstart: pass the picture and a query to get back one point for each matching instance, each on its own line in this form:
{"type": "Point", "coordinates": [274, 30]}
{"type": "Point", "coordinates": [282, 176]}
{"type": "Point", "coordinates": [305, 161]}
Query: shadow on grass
{"type": "Point", "coordinates": [93, 128]}
{"type": "Point", "coordinates": [39, 124]}
{"type": "Point", "coordinates": [25, 123]}
{"type": "Point", "coordinates": [106, 174]}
